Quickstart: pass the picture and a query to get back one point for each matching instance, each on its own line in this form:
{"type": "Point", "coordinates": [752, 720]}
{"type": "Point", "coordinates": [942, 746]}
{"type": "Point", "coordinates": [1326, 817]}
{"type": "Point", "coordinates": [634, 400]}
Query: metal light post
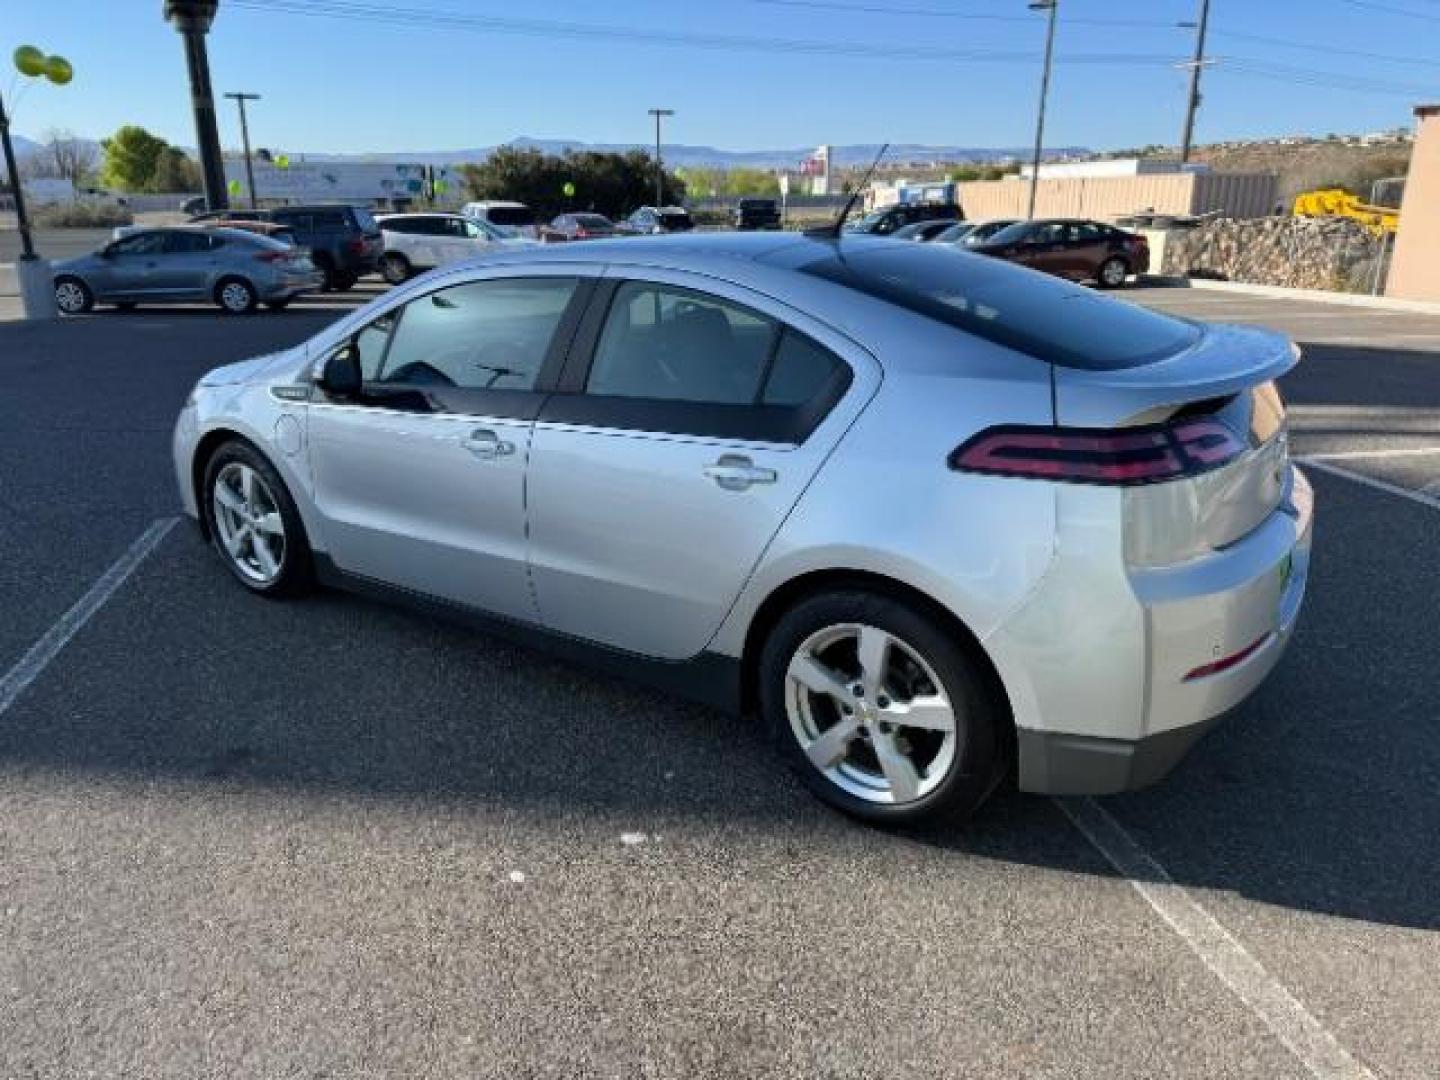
{"type": "Point", "coordinates": [659, 164]}
{"type": "Point", "coordinates": [37, 289]}
{"type": "Point", "coordinates": [192, 19]}
{"type": "Point", "coordinates": [1053, 7]}
{"type": "Point", "coordinates": [245, 139]}
{"type": "Point", "coordinates": [1196, 67]}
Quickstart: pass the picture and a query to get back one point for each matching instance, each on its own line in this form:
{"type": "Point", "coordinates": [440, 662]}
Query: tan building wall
{"type": "Point", "coordinates": [1415, 269]}
{"type": "Point", "coordinates": [1241, 195]}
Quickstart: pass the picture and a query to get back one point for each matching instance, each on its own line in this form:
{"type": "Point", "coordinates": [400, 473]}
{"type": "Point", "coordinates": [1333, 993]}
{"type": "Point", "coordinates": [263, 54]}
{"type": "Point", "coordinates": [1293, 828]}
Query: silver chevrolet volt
{"type": "Point", "coordinates": [932, 516]}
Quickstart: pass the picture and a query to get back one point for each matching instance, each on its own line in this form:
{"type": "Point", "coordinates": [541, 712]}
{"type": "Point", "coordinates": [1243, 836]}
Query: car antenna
{"type": "Point", "coordinates": [833, 229]}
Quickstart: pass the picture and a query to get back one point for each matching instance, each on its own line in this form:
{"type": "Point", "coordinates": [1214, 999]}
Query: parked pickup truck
{"type": "Point", "coordinates": [756, 214]}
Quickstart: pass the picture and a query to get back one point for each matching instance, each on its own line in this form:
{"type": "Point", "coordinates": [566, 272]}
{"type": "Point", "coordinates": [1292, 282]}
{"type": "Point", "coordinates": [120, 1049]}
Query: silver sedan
{"type": "Point", "coordinates": [932, 516]}
{"type": "Point", "coordinates": [234, 269]}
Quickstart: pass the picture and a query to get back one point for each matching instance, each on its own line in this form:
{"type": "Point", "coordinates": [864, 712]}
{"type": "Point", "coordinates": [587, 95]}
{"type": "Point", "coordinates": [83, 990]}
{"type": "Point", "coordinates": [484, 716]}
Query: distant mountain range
{"type": "Point", "coordinates": [682, 155]}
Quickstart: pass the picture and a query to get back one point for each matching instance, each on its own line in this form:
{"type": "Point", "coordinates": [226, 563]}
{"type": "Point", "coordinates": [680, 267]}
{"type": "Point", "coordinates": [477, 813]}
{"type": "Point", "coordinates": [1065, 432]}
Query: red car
{"type": "Point", "coordinates": [1071, 248]}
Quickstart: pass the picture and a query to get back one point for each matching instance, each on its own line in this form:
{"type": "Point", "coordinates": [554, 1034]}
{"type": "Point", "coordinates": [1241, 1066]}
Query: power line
{"type": "Point", "coordinates": [947, 13]}
{"type": "Point", "coordinates": [1372, 5]}
{"type": "Point", "coordinates": [428, 17]}
{"type": "Point", "coordinates": [1336, 50]}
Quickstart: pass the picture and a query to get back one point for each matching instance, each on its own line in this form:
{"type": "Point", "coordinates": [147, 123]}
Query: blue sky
{"type": "Point", "coordinates": [354, 84]}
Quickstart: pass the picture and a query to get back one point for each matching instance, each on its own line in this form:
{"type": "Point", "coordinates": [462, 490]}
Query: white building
{"type": "Point", "coordinates": [1110, 167]}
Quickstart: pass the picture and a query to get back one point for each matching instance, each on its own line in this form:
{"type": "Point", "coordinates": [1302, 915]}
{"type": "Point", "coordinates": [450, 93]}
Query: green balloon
{"type": "Point", "coordinates": [441, 186]}
{"type": "Point", "coordinates": [234, 187]}
{"type": "Point", "coordinates": [569, 189]}
{"type": "Point", "coordinates": [282, 162]}
{"type": "Point", "coordinates": [58, 70]}
{"type": "Point", "coordinates": [29, 60]}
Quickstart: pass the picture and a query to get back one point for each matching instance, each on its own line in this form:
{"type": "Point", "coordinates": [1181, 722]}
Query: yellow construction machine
{"type": "Point", "coordinates": [1337, 202]}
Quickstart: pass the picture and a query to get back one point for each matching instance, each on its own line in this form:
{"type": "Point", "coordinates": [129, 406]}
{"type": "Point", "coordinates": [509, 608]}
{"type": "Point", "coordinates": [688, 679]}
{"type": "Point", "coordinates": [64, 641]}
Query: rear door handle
{"type": "Point", "coordinates": [736, 472]}
{"type": "Point", "coordinates": [485, 444]}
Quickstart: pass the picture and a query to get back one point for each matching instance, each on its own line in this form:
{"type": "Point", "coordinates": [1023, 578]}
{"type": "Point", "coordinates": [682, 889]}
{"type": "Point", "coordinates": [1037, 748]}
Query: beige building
{"type": "Point", "coordinates": [1239, 195]}
{"type": "Point", "coordinates": [1415, 269]}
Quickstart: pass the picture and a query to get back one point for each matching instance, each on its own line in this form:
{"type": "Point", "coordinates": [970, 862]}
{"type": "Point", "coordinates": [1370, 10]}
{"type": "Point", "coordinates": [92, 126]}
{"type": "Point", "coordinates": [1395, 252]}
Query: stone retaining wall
{"type": "Point", "coordinates": [1295, 252]}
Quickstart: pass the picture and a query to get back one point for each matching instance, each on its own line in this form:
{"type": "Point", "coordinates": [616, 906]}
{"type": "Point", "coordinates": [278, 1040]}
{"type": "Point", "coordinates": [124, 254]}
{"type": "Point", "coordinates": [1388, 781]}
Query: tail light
{"type": "Point", "coordinates": [356, 246]}
{"type": "Point", "coordinates": [581, 234]}
{"type": "Point", "coordinates": [1112, 456]}
{"type": "Point", "coordinates": [273, 256]}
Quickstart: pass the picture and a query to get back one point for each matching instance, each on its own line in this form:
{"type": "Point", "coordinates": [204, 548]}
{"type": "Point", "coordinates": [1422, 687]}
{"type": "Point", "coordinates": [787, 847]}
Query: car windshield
{"type": "Point", "coordinates": [510, 216]}
{"type": "Point", "coordinates": [593, 221]}
{"type": "Point", "coordinates": [955, 232]}
{"type": "Point", "coordinates": [869, 221]}
{"type": "Point", "coordinates": [1042, 316]}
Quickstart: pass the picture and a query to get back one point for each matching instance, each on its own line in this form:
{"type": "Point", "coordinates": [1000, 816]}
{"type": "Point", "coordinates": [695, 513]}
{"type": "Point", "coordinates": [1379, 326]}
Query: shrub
{"type": "Point", "coordinates": [83, 215]}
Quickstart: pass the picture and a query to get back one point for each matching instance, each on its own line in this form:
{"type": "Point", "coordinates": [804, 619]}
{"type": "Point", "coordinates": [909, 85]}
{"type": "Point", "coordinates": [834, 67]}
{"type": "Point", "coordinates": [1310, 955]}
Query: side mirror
{"type": "Point", "coordinates": [341, 376]}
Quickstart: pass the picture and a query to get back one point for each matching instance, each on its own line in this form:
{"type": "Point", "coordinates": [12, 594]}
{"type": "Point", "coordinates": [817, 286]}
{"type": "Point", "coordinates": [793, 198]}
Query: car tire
{"type": "Point", "coordinates": [236, 296]}
{"type": "Point", "coordinates": [849, 759]}
{"type": "Point", "coordinates": [1112, 273]}
{"type": "Point", "coordinates": [73, 296]}
{"type": "Point", "coordinates": [240, 524]}
{"type": "Point", "coordinates": [395, 268]}
{"type": "Point", "coordinates": [279, 305]}
{"type": "Point", "coordinates": [327, 270]}
{"type": "Point", "coordinates": [342, 282]}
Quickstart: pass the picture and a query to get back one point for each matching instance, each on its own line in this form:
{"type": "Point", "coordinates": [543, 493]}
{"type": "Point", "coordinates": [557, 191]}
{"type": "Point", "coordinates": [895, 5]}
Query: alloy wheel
{"type": "Point", "coordinates": [248, 523]}
{"type": "Point", "coordinates": [236, 297]}
{"type": "Point", "coordinates": [1113, 273]}
{"type": "Point", "coordinates": [70, 297]}
{"type": "Point", "coordinates": [871, 714]}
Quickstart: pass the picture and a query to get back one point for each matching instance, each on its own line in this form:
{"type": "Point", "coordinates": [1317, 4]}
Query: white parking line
{"type": "Point", "coordinates": [1304, 1036]}
{"type": "Point", "coordinates": [1369, 481]}
{"type": "Point", "coordinates": [39, 655]}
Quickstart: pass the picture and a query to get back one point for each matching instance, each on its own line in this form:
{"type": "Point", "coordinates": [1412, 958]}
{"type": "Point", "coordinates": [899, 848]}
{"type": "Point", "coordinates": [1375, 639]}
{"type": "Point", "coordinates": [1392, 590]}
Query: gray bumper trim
{"type": "Point", "coordinates": [1058, 763]}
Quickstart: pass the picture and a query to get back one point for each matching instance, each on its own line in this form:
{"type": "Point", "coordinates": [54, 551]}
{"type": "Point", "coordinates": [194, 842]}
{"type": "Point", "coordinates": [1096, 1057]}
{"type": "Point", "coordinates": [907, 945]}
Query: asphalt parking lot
{"type": "Point", "coordinates": [331, 838]}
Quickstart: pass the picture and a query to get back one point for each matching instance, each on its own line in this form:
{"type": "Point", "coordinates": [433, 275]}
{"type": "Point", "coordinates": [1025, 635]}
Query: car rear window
{"type": "Point", "coordinates": [1042, 316]}
{"type": "Point", "coordinates": [364, 219]}
{"type": "Point", "coordinates": [510, 215]}
{"type": "Point", "coordinates": [593, 221]}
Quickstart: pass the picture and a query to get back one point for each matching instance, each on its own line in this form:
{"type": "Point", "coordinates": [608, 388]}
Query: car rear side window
{"type": "Point", "coordinates": [801, 372]}
{"type": "Point", "coordinates": [669, 344]}
{"type": "Point", "coordinates": [1035, 314]}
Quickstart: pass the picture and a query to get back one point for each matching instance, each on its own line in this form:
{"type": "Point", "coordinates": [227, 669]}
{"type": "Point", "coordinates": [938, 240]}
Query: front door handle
{"type": "Point", "coordinates": [736, 472]}
{"type": "Point", "coordinates": [485, 444]}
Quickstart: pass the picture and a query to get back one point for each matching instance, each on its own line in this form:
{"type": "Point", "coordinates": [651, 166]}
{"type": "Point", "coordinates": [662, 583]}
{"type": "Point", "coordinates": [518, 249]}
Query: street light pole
{"type": "Point", "coordinates": [1195, 68]}
{"type": "Point", "coordinates": [192, 19]}
{"type": "Point", "coordinates": [659, 164]}
{"type": "Point", "coordinates": [1052, 6]}
{"type": "Point", "coordinates": [241, 98]}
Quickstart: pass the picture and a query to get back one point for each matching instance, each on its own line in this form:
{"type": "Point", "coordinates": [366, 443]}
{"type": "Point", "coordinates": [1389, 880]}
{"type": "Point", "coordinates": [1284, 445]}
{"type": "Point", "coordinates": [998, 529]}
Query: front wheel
{"type": "Point", "coordinates": [395, 268]}
{"type": "Point", "coordinates": [1113, 273]}
{"type": "Point", "coordinates": [254, 524]}
{"type": "Point", "coordinates": [880, 710]}
{"type": "Point", "coordinates": [73, 296]}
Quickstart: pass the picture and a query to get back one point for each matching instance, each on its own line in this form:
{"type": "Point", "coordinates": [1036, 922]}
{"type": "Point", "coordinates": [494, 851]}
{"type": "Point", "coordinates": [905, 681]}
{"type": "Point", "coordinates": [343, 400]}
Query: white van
{"type": "Point", "coordinates": [514, 218]}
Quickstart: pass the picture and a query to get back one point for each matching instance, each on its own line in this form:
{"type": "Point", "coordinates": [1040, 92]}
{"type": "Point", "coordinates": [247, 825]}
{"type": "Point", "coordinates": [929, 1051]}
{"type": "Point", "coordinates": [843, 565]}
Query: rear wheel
{"type": "Point", "coordinates": [1112, 273]}
{"type": "Point", "coordinates": [342, 282]}
{"type": "Point", "coordinates": [882, 713]}
{"type": "Point", "coordinates": [395, 268]}
{"type": "Point", "coordinates": [254, 524]}
{"type": "Point", "coordinates": [73, 296]}
{"type": "Point", "coordinates": [236, 296]}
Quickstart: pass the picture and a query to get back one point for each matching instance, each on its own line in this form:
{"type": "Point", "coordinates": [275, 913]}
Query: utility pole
{"type": "Point", "coordinates": [1195, 68]}
{"type": "Point", "coordinates": [17, 191]}
{"type": "Point", "coordinates": [659, 164]}
{"type": "Point", "coordinates": [1053, 7]}
{"type": "Point", "coordinates": [192, 19]}
{"type": "Point", "coordinates": [241, 98]}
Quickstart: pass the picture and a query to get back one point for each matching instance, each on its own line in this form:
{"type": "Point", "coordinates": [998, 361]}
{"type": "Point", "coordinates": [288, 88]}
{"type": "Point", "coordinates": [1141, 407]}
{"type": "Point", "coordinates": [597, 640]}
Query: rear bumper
{"type": "Point", "coordinates": [1118, 709]}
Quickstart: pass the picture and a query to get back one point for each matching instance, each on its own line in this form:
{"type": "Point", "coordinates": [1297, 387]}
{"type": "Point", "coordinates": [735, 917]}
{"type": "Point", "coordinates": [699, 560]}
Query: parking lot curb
{"type": "Point", "coordinates": [1319, 296]}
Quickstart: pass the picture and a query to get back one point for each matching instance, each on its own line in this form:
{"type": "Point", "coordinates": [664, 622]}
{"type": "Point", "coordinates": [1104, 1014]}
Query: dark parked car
{"type": "Point", "coordinates": [649, 221]}
{"type": "Point", "coordinates": [344, 241]}
{"type": "Point", "coordinates": [751, 214]}
{"type": "Point", "coordinates": [888, 219]}
{"type": "Point", "coordinates": [205, 217]}
{"type": "Point", "coordinates": [924, 231]}
{"type": "Point", "coordinates": [1079, 250]}
{"type": "Point", "coordinates": [578, 227]}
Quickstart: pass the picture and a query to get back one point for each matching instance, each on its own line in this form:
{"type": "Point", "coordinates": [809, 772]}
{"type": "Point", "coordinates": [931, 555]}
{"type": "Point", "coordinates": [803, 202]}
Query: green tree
{"type": "Point", "coordinates": [607, 183]}
{"type": "Point", "coordinates": [132, 155]}
{"type": "Point", "coordinates": [175, 171]}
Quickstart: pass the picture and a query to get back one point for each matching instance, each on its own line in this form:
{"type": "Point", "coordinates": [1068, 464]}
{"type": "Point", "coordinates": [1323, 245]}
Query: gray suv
{"type": "Point", "coordinates": [344, 241]}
